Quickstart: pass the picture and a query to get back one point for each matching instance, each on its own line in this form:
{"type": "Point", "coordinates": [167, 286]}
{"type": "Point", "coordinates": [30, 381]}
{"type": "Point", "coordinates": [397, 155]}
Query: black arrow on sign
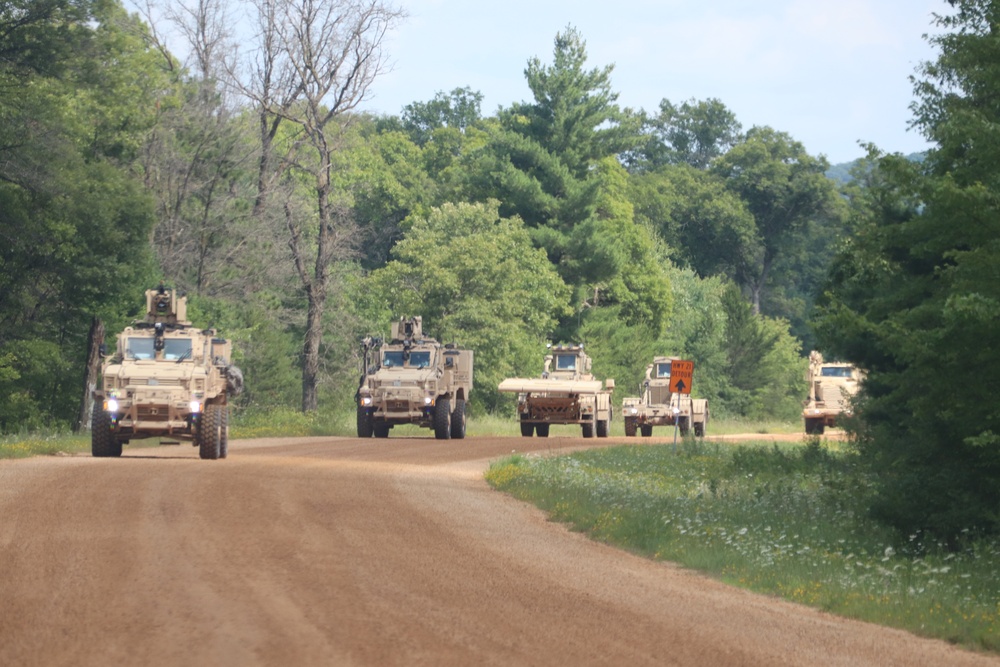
{"type": "Point", "coordinates": [680, 386]}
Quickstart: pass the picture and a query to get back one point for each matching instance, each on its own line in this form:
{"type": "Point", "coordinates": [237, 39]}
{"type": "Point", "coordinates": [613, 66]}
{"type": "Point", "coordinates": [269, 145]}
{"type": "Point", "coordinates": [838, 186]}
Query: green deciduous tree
{"type": "Point", "coordinates": [611, 259]}
{"type": "Point", "coordinates": [457, 110]}
{"type": "Point", "coordinates": [784, 188]}
{"type": "Point", "coordinates": [74, 222]}
{"type": "Point", "coordinates": [708, 227]}
{"type": "Point", "coordinates": [694, 133]}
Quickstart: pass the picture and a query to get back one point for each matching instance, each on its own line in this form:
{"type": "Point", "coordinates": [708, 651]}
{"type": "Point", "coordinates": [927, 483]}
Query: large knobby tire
{"type": "Point", "coordinates": [458, 420]}
{"type": "Point", "coordinates": [527, 428]}
{"type": "Point", "coordinates": [210, 432]}
{"type": "Point", "coordinates": [442, 419]}
{"type": "Point", "coordinates": [699, 429]}
{"type": "Point", "coordinates": [542, 430]}
{"type": "Point", "coordinates": [683, 425]}
{"type": "Point", "coordinates": [602, 428]}
{"type": "Point", "coordinates": [588, 429]}
{"type": "Point", "coordinates": [630, 427]}
{"type": "Point", "coordinates": [365, 426]}
{"type": "Point", "coordinates": [647, 430]}
{"type": "Point", "coordinates": [224, 434]}
{"type": "Point", "coordinates": [814, 426]}
{"type": "Point", "coordinates": [102, 437]}
{"type": "Point", "coordinates": [380, 429]}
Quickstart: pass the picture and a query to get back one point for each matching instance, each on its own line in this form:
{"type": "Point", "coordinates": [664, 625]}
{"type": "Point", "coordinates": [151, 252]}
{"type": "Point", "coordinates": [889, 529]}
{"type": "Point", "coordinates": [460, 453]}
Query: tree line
{"type": "Point", "coordinates": [245, 175]}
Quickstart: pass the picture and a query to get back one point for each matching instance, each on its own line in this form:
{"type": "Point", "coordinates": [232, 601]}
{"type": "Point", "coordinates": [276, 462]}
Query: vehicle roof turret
{"type": "Point", "coordinates": [165, 305]}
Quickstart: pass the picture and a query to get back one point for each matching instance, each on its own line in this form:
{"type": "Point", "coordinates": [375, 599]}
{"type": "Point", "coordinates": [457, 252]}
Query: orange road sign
{"type": "Point", "coordinates": [681, 373]}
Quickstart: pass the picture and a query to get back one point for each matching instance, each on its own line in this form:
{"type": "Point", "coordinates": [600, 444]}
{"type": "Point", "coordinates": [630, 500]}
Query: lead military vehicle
{"type": "Point", "coordinates": [567, 393]}
{"type": "Point", "coordinates": [413, 379]}
{"type": "Point", "coordinates": [166, 379]}
{"type": "Point", "coordinates": [659, 406]}
{"type": "Point", "coordinates": [832, 388]}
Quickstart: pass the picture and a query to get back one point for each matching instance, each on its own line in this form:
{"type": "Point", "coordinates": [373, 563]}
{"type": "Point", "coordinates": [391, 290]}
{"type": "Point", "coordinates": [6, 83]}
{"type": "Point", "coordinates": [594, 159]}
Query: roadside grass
{"type": "Point", "coordinates": [731, 426]}
{"type": "Point", "coordinates": [23, 445]}
{"type": "Point", "coordinates": [785, 520]}
{"type": "Point", "coordinates": [283, 422]}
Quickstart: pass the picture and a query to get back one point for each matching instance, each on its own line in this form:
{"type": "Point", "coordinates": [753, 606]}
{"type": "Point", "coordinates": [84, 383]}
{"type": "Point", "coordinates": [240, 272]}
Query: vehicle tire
{"type": "Point", "coordinates": [542, 430]}
{"type": "Point", "coordinates": [224, 433]}
{"type": "Point", "coordinates": [210, 432]}
{"type": "Point", "coordinates": [458, 420]}
{"type": "Point", "coordinates": [102, 437]}
{"type": "Point", "coordinates": [683, 424]}
{"type": "Point", "coordinates": [630, 427]}
{"type": "Point", "coordinates": [647, 430]}
{"type": "Point", "coordinates": [380, 429]}
{"type": "Point", "coordinates": [602, 428]}
{"type": "Point", "coordinates": [526, 429]}
{"type": "Point", "coordinates": [588, 429]}
{"type": "Point", "coordinates": [814, 426]}
{"type": "Point", "coordinates": [365, 429]}
{"type": "Point", "coordinates": [699, 429]}
{"type": "Point", "coordinates": [442, 419]}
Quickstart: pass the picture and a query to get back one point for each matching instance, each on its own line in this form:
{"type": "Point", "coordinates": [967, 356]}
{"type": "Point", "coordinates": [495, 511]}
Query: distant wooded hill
{"type": "Point", "coordinates": [842, 172]}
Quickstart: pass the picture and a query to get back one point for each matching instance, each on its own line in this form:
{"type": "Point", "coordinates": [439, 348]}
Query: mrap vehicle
{"type": "Point", "coordinates": [166, 379]}
{"type": "Point", "coordinates": [567, 393]}
{"type": "Point", "coordinates": [659, 406]}
{"type": "Point", "coordinates": [413, 379]}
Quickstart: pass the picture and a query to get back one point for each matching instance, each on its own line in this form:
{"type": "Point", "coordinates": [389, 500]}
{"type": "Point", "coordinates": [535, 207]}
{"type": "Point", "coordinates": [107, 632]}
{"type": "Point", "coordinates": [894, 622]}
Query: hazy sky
{"type": "Point", "coordinates": [830, 73]}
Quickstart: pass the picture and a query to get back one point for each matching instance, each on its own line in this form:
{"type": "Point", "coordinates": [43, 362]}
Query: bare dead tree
{"type": "Point", "coordinates": [196, 155]}
{"type": "Point", "coordinates": [312, 63]}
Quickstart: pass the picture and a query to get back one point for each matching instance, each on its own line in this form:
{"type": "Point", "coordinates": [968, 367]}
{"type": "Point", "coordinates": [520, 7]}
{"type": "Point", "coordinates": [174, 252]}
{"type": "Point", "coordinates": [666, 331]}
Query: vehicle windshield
{"type": "Point", "coordinates": [662, 370]}
{"type": "Point", "coordinates": [836, 371]}
{"type": "Point", "coordinates": [139, 348]}
{"type": "Point", "coordinates": [177, 348]}
{"type": "Point", "coordinates": [392, 358]}
{"type": "Point", "coordinates": [420, 359]}
{"type": "Point", "coordinates": [565, 362]}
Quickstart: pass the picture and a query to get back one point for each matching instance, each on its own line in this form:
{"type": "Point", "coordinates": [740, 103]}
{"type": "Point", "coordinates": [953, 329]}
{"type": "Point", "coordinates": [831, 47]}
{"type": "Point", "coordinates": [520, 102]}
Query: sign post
{"type": "Point", "coordinates": [681, 378]}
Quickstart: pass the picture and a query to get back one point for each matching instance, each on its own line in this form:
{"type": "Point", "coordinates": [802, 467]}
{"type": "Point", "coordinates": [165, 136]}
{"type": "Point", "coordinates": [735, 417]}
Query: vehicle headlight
{"type": "Point", "coordinates": [111, 405]}
{"type": "Point", "coordinates": [635, 411]}
{"type": "Point", "coordinates": [366, 400]}
{"type": "Point", "coordinates": [428, 400]}
{"type": "Point", "coordinates": [195, 407]}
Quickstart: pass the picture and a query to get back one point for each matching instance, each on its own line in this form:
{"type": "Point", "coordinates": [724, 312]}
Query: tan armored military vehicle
{"type": "Point", "coordinates": [413, 379]}
{"type": "Point", "coordinates": [832, 387]}
{"type": "Point", "coordinates": [659, 406]}
{"type": "Point", "coordinates": [567, 393]}
{"type": "Point", "coordinates": [166, 379]}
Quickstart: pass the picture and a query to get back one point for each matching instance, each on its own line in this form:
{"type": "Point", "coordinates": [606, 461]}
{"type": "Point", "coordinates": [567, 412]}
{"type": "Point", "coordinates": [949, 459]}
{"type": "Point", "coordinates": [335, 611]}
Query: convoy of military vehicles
{"type": "Point", "coordinates": [172, 380]}
{"type": "Point", "coordinates": [166, 379]}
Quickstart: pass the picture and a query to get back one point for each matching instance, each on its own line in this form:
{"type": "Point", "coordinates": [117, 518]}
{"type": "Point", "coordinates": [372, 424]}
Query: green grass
{"type": "Point", "coordinates": [285, 422]}
{"type": "Point", "coordinates": [42, 444]}
{"type": "Point", "coordinates": [784, 520]}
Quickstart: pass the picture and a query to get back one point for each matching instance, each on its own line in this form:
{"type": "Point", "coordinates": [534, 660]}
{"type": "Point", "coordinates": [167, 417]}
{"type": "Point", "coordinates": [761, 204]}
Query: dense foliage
{"type": "Point", "coordinates": [914, 296]}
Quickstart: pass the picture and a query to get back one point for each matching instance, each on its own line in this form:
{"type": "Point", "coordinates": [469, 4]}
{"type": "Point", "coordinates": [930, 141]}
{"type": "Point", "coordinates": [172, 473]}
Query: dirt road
{"type": "Point", "coordinates": [335, 551]}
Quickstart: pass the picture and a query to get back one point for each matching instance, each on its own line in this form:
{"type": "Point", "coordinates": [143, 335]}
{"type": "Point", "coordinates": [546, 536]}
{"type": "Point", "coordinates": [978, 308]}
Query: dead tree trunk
{"type": "Point", "coordinates": [95, 339]}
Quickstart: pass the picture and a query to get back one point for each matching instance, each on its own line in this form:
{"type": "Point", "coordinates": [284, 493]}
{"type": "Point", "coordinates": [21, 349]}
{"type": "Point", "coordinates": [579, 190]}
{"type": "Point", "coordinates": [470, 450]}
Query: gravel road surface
{"type": "Point", "coordinates": [341, 551]}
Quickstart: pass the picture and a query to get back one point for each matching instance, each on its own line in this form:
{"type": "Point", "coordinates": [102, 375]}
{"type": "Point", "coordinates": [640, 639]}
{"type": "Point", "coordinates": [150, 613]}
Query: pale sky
{"type": "Point", "coordinates": [830, 73]}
